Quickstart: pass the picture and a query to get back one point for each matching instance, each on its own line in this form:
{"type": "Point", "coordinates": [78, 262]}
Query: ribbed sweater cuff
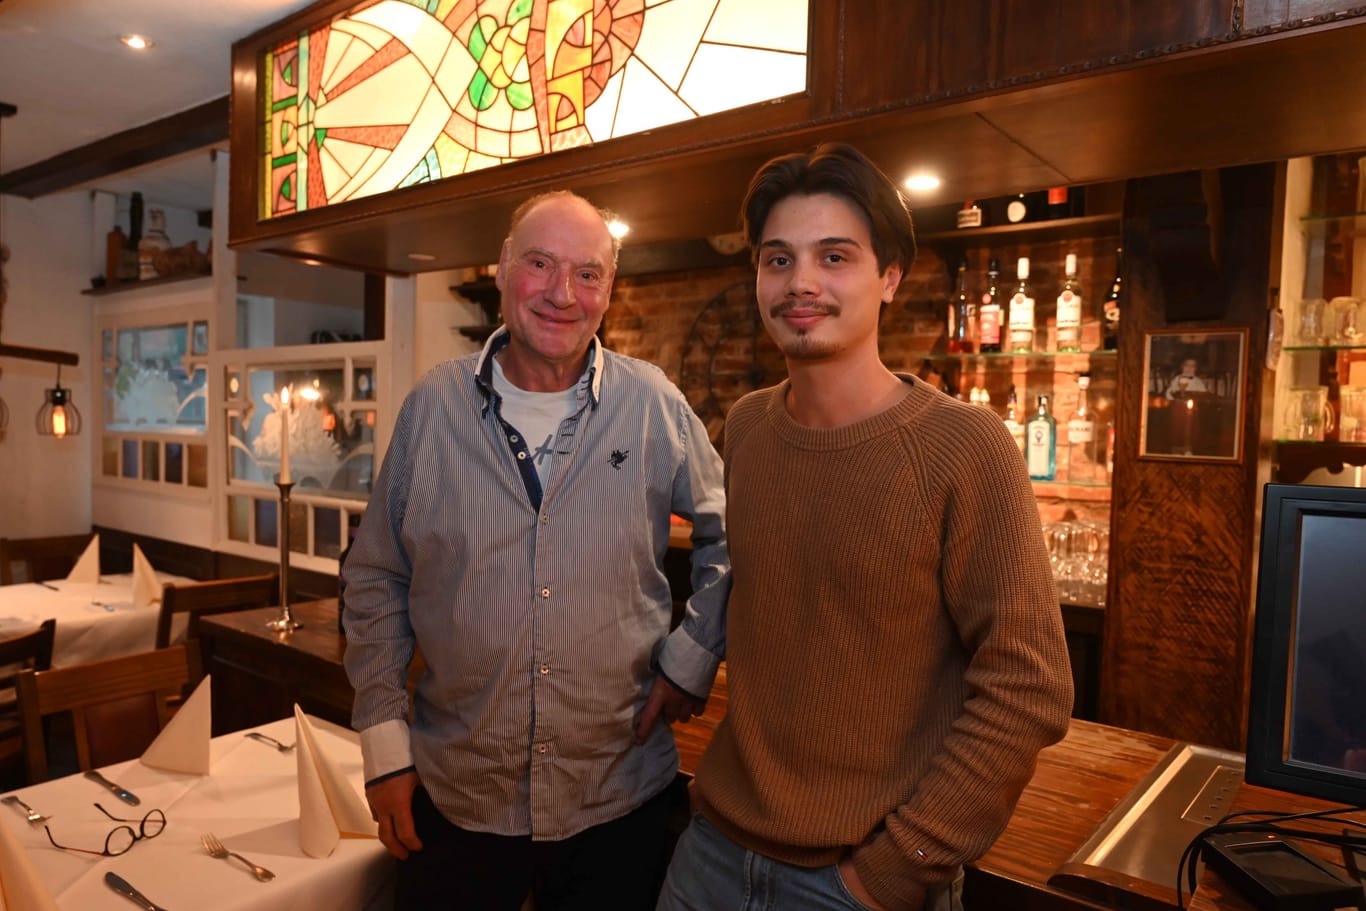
{"type": "Point", "coordinates": [883, 870]}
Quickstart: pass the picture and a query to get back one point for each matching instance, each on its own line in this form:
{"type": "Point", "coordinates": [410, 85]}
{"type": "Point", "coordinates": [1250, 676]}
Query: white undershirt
{"type": "Point", "coordinates": [536, 415]}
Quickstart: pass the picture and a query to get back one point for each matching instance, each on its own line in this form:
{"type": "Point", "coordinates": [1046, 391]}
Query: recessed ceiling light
{"type": "Point", "coordinates": [136, 42]}
{"type": "Point", "coordinates": [421, 257]}
{"type": "Point", "coordinates": [618, 228]}
{"type": "Point", "coordinates": [922, 183]}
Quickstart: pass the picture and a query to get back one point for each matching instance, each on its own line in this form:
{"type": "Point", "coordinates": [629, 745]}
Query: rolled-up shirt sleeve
{"type": "Point", "coordinates": [694, 650]}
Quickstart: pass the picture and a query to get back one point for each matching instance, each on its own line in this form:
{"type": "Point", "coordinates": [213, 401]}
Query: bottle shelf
{"type": "Point", "coordinates": [1026, 357]}
{"type": "Point", "coordinates": [1063, 490]}
{"type": "Point", "coordinates": [1081, 226]}
{"type": "Point", "coordinates": [1318, 225]}
{"type": "Point", "coordinates": [1295, 459]}
{"type": "Point", "coordinates": [1360, 346]}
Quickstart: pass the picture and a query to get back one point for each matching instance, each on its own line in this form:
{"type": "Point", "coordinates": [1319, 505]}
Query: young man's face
{"type": "Point", "coordinates": [819, 286]}
{"type": "Point", "coordinates": [555, 276]}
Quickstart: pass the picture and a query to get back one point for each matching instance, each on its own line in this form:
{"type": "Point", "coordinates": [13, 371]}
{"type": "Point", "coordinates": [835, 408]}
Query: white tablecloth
{"type": "Point", "coordinates": [249, 800]}
{"type": "Point", "coordinates": [93, 621]}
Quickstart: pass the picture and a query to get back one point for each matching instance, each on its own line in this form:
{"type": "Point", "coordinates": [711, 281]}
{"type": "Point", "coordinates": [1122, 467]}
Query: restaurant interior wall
{"type": "Point", "coordinates": [46, 480]}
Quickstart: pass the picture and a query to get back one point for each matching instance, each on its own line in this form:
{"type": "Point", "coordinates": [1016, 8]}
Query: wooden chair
{"type": "Point", "coordinates": [43, 558]}
{"type": "Point", "coordinates": [29, 651]}
{"type": "Point", "coordinates": [219, 597]}
{"type": "Point", "coordinates": [116, 706]}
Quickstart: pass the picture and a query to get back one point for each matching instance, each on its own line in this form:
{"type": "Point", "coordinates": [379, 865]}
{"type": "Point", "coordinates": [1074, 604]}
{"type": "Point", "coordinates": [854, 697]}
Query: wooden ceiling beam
{"type": "Point", "coordinates": [183, 132]}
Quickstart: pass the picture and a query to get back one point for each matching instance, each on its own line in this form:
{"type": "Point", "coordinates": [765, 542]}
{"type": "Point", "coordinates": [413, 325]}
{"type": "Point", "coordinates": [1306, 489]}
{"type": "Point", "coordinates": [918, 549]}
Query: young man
{"type": "Point", "coordinates": [895, 652]}
{"type": "Point", "coordinates": [516, 537]}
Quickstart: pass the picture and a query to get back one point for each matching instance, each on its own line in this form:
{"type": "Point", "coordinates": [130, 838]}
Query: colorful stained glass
{"type": "Point", "coordinates": [399, 92]}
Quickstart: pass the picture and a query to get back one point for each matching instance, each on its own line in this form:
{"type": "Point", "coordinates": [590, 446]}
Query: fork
{"type": "Point", "coordinates": [217, 849]}
{"type": "Point", "coordinates": [34, 817]}
{"type": "Point", "coordinates": [267, 739]}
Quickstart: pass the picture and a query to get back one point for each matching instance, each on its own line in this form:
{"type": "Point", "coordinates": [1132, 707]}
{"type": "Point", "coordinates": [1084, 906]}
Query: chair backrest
{"type": "Point", "coordinates": [32, 651]}
{"type": "Point", "coordinates": [117, 706]}
{"type": "Point", "coordinates": [43, 558]}
{"type": "Point", "coordinates": [221, 596]}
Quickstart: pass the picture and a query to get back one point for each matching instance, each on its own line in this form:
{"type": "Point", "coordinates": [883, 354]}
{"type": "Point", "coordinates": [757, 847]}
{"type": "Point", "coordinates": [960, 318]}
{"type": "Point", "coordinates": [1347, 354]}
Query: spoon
{"type": "Point", "coordinates": [34, 817]}
{"type": "Point", "coordinates": [265, 738]}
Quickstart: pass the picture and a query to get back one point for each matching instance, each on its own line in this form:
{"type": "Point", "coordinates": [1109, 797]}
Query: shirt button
{"type": "Point", "coordinates": [521, 455]}
{"type": "Point", "coordinates": [513, 437]}
{"type": "Point", "coordinates": [541, 748]}
{"type": "Point", "coordinates": [545, 520]}
{"type": "Point", "coordinates": [545, 593]}
{"type": "Point", "coordinates": [545, 668]}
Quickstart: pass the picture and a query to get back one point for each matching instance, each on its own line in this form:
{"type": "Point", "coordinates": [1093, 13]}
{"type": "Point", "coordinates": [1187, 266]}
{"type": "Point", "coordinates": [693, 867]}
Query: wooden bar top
{"type": "Point", "coordinates": [1077, 782]}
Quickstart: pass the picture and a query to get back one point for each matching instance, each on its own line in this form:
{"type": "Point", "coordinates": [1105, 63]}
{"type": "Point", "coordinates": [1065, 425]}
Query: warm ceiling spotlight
{"type": "Point", "coordinates": [618, 228]}
{"type": "Point", "coordinates": [136, 42]}
{"type": "Point", "coordinates": [421, 257]}
{"type": "Point", "coordinates": [922, 183]}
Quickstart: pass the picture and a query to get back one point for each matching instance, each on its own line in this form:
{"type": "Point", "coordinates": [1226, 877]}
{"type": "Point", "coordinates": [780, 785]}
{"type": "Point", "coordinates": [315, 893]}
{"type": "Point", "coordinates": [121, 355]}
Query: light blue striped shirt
{"type": "Point", "coordinates": [541, 614]}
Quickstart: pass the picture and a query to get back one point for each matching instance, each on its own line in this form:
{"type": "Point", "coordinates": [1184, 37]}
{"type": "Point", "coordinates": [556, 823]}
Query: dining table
{"type": "Point", "coordinates": [95, 620]}
{"type": "Point", "coordinates": [249, 800]}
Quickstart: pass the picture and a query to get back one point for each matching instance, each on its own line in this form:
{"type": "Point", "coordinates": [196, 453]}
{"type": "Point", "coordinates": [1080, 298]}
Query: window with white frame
{"type": "Point", "coordinates": [320, 404]}
{"type": "Point", "coordinates": [154, 405]}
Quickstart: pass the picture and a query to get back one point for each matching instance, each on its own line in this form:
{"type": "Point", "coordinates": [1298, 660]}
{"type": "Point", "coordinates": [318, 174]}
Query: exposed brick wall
{"type": "Point", "coordinates": [717, 353]}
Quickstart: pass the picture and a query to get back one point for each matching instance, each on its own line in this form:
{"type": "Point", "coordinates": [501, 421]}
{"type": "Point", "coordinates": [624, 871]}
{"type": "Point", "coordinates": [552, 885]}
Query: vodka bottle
{"type": "Point", "coordinates": [1069, 308]}
{"type": "Point", "coordinates": [1021, 325]}
{"type": "Point", "coordinates": [1081, 438]}
{"type": "Point", "coordinates": [1041, 444]}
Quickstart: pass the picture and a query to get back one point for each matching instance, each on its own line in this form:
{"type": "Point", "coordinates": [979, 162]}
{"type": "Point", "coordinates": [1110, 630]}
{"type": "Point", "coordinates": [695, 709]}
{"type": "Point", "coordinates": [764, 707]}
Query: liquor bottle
{"type": "Point", "coordinates": [1013, 424]}
{"type": "Point", "coordinates": [989, 313]}
{"type": "Point", "coordinates": [962, 316]}
{"type": "Point", "coordinates": [1081, 436]}
{"type": "Point", "coordinates": [1110, 311]}
{"type": "Point", "coordinates": [1069, 308]}
{"type": "Point", "coordinates": [1021, 320]}
{"type": "Point", "coordinates": [970, 216]}
{"type": "Point", "coordinates": [1041, 444]}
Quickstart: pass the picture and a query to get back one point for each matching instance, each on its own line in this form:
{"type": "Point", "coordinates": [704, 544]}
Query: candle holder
{"type": "Point", "coordinates": [284, 623]}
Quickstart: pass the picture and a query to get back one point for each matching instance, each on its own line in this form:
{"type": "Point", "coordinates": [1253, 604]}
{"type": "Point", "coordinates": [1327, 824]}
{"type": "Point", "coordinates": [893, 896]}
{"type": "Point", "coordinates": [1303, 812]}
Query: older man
{"type": "Point", "coordinates": [516, 537]}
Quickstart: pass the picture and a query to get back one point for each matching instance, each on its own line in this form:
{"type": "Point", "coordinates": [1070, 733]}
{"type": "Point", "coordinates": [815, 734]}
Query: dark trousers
{"type": "Point", "coordinates": [616, 865]}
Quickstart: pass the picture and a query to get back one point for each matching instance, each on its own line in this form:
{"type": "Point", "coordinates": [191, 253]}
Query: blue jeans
{"type": "Point", "coordinates": [709, 872]}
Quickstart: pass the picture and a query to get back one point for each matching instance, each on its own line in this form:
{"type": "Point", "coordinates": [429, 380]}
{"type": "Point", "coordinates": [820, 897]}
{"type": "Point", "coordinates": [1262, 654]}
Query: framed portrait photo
{"type": "Point", "coordinates": [1194, 399]}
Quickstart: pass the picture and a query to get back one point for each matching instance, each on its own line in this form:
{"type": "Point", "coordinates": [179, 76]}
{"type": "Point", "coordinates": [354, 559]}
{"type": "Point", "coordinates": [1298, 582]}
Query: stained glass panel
{"type": "Point", "coordinates": [400, 92]}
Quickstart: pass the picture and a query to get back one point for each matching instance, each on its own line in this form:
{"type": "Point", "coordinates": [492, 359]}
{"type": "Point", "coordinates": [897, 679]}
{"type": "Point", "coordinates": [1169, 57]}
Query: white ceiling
{"type": "Point", "coordinates": [63, 67]}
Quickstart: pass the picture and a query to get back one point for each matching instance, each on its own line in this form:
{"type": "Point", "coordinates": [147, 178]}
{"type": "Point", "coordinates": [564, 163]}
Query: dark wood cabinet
{"type": "Point", "coordinates": [259, 675]}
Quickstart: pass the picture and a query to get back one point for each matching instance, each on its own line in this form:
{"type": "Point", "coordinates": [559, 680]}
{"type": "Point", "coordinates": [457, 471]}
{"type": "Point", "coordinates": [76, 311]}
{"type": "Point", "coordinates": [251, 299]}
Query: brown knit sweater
{"type": "Point", "coordinates": [895, 653]}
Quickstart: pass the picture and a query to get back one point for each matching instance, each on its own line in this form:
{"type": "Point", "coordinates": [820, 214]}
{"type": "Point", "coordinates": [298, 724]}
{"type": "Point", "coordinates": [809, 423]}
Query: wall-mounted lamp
{"type": "Point", "coordinates": [58, 417]}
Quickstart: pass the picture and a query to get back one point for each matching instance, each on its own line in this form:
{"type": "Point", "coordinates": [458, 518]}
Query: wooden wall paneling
{"type": "Point", "coordinates": [1176, 626]}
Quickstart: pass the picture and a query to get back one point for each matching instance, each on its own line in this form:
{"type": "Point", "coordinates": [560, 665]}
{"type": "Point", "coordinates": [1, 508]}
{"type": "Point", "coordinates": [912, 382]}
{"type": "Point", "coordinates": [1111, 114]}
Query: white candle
{"type": "Point", "coordinates": [284, 435]}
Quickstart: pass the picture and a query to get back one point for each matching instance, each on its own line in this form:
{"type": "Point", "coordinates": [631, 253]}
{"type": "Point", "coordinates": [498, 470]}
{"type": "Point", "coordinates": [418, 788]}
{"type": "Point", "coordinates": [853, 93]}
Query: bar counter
{"type": "Point", "coordinates": [1078, 781]}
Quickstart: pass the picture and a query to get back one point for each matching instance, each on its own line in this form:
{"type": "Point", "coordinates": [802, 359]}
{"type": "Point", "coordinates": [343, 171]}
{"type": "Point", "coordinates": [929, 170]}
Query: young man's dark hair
{"type": "Point", "coordinates": [840, 170]}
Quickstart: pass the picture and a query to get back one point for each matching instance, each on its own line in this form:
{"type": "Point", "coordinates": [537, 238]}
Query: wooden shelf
{"type": "Point", "coordinates": [145, 283]}
{"type": "Point", "coordinates": [1294, 460]}
{"type": "Point", "coordinates": [1081, 226]}
{"type": "Point", "coordinates": [1094, 493]}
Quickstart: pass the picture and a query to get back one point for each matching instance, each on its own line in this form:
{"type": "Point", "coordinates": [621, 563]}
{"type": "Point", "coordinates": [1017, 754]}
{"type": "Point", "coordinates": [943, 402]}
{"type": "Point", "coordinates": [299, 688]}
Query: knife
{"type": "Point", "coordinates": [123, 794]}
{"type": "Point", "coordinates": [122, 887]}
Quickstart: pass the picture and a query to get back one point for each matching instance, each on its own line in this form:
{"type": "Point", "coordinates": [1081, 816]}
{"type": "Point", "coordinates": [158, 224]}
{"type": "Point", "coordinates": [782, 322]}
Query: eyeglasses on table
{"type": "Point", "coordinates": [123, 837]}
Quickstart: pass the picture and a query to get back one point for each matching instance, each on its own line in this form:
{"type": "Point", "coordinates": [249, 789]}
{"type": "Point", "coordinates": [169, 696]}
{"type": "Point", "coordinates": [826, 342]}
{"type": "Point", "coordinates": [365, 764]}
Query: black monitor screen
{"type": "Point", "coordinates": [1307, 724]}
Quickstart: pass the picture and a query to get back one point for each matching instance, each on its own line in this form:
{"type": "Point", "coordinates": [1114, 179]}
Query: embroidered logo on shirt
{"type": "Point", "coordinates": [618, 457]}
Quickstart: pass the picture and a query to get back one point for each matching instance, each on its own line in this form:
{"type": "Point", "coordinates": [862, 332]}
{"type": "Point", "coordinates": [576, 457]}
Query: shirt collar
{"type": "Point", "coordinates": [483, 368]}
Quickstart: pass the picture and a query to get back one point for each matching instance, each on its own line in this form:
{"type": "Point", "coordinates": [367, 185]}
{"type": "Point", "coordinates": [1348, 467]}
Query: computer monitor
{"type": "Point", "coordinates": [1307, 719]}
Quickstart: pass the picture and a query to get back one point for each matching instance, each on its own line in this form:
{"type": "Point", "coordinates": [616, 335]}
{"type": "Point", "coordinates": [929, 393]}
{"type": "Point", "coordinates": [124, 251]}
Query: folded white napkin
{"type": "Point", "coordinates": [329, 807]}
{"type": "Point", "coordinates": [87, 568]}
{"type": "Point", "coordinates": [21, 888]}
{"type": "Point", "coordinates": [146, 585]}
{"type": "Point", "coordinates": [183, 745]}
